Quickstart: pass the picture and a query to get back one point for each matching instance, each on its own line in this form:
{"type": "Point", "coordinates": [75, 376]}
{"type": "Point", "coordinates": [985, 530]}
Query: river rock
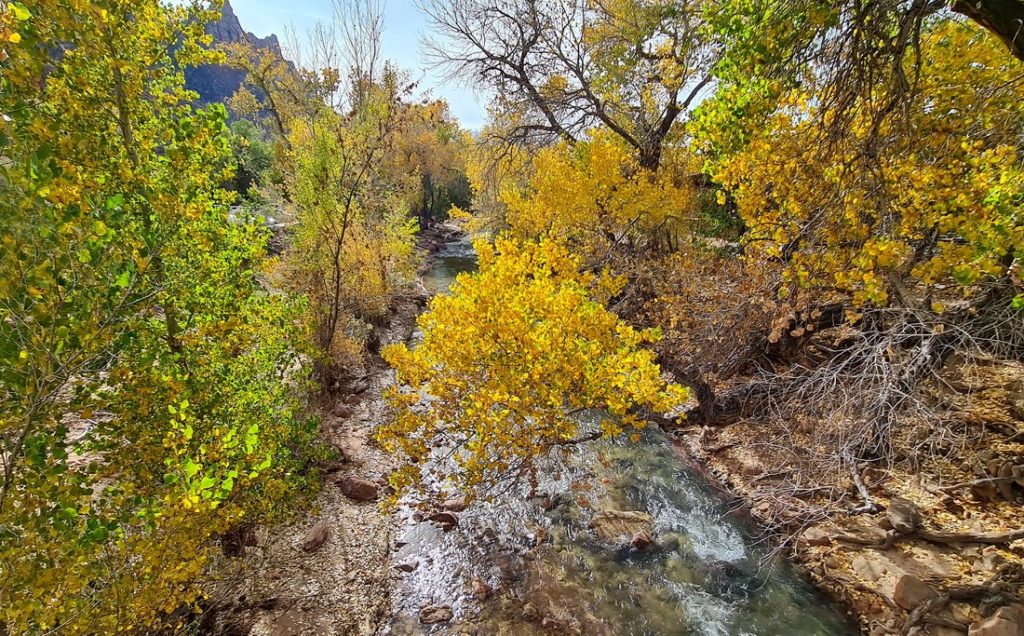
{"type": "Point", "coordinates": [912, 592]}
{"type": "Point", "coordinates": [408, 566]}
{"type": "Point", "coordinates": [903, 515]}
{"type": "Point", "coordinates": [1007, 621]}
{"type": "Point", "coordinates": [433, 614]}
{"type": "Point", "coordinates": [447, 520]}
{"type": "Point", "coordinates": [530, 612]}
{"type": "Point", "coordinates": [316, 537]}
{"type": "Point", "coordinates": [358, 489]}
{"type": "Point", "coordinates": [455, 504]}
{"type": "Point", "coordinates": [481, 589]}
{"type": "Point", "coordinates": [641, 540]}
{"type": "Point", "coordinates": [616, 525]}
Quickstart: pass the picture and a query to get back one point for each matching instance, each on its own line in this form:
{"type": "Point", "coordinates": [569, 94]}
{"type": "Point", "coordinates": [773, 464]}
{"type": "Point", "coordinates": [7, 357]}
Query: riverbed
{"type": "Point", "coordinates": [527, 561]}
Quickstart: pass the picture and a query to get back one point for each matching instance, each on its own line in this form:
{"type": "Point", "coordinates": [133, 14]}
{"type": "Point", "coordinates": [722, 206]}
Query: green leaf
{"type": "Point", "coordinates": [20, 12]}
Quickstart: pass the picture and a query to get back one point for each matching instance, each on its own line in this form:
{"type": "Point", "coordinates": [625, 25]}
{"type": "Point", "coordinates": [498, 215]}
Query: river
{"type": "Point", "coordinates": [551, 574]}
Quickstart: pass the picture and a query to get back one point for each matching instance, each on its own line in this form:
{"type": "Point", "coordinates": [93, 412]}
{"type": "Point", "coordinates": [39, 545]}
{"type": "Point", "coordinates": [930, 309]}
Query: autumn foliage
{"type": "Point", "coordinates": [507, 362]}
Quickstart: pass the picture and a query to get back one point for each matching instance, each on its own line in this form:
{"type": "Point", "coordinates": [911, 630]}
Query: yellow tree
{"type": "Point", "coordinates": [507, 361]}
{"type": "Point", "coordinates": [886, 215]}
{"type": "Point", "coordinates": [139, 359]}
{"type": "Point", "coordinates": [596, 195]}
{"type": "Point", "coordinates": [432, 145]}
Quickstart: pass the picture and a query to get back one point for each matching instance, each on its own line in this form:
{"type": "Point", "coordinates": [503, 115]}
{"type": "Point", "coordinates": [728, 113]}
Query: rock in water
{"type": "Point", "coordinates": [481, 589]}
{"type": "Point", "coordinates": [433, 614]}
{"type": "Point", "coordinates": [316, 537]}
{"type": "Point", "coordinates": [912, 592]}
{"type": "Point", "coordinates": [903, 515]}
{"type": "Point", "coordinates": [641, 540]}
{"type": "Point", "coordinates": [447, 520]}
{"type": "Point", "coordinates": [358, 489]}
{"type": "Point", "coordinates": [455, 504]}
{"type": "Point", "coordinates": [616, 526]}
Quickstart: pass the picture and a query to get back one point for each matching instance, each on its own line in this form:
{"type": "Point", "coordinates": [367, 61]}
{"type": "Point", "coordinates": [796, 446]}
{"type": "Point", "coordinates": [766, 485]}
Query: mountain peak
{"type": "Point", "coordinates": [216, 82]}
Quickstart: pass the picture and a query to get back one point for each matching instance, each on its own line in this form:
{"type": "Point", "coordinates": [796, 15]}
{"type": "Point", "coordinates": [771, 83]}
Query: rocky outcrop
{"type": "Point", "coordinates": [1007, 621]}
{"type": "Point", "coordinates": [217, 82]}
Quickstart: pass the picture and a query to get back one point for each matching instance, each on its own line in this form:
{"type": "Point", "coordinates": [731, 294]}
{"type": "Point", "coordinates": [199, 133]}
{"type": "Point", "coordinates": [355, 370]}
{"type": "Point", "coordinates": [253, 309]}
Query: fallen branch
{"type": "Point", "coordinates": [870, 506]}
{"type": "Point", "coordinates": [955, 538]}
{"type": "Point", "coordinates": [934, 536]}
{"type": "Point", "coordinates": [978, 482]}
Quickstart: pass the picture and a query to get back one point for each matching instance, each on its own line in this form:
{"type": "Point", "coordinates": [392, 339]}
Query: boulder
{"type": "Point", "coordinates": [912, 592]}
{"type": "Point", "coordinates": [316, 537]}
{"type": "Point", "coordinates": [433, 614]}
{"type": "Point", "coordinates": [903, 515]}
{"type": "Point", "coordinates": [358, 489]}
{"type": "Point", "coordinates": [816, 536]}
{"type": "Point", "coordinates": [1007, 621]}
{"type": "Point", "coordinates": [616, 526]}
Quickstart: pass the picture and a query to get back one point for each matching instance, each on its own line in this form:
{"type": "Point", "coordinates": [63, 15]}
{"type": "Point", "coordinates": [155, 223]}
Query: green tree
{"type": "Point", "coordinates": [150, 389]}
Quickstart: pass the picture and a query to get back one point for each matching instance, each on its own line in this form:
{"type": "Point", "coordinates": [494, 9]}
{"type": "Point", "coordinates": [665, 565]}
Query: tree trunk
{"type": "Point", "coordinates": [1004, 18]}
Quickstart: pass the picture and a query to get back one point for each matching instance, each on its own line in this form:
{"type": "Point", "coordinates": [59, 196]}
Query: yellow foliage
{"type": "Point", "coordinates": [942, 201]}
{"type": "Point", "coordinates": [594, 195]}
{"type": "Point", "coordinates": [507, 360]}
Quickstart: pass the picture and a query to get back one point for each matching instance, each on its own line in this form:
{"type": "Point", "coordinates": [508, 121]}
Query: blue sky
{"type": "Point", "coordinates": [404, 27]}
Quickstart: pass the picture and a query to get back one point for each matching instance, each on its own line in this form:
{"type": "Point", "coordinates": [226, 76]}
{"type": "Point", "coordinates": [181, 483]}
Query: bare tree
{"type": "Point", "coordinates": [561, 67]}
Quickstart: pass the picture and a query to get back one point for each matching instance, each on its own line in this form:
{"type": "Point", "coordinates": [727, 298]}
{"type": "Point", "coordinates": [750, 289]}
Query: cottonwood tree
{"type": "Point", "coordinates": [900, 228]}
{"type": "Point", "coordinates": [508, 361]}
{"type": "Point", "coordinates": [142, 404]}
{"type": "Point", "coordinates": [559, 68]}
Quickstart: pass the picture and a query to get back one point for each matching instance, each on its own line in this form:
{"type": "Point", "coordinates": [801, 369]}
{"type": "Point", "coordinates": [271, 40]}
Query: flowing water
{"type": "Point", "coordinates": [550, 573]}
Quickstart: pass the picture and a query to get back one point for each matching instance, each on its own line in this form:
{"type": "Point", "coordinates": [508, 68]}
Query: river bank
{"type": "Point", "coordinates": [943, 553]}
{"type": "Point", "coordinates": [330, 571]}
{"type": "Point", "coordinates": [531, 562]}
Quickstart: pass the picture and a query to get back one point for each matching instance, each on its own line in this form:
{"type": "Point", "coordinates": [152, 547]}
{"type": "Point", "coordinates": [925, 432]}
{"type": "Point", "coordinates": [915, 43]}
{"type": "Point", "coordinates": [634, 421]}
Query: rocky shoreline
{"type": "Point", "coordinates": [930, 561]}
{"type": "Point", "coordinates": [330, 571]}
